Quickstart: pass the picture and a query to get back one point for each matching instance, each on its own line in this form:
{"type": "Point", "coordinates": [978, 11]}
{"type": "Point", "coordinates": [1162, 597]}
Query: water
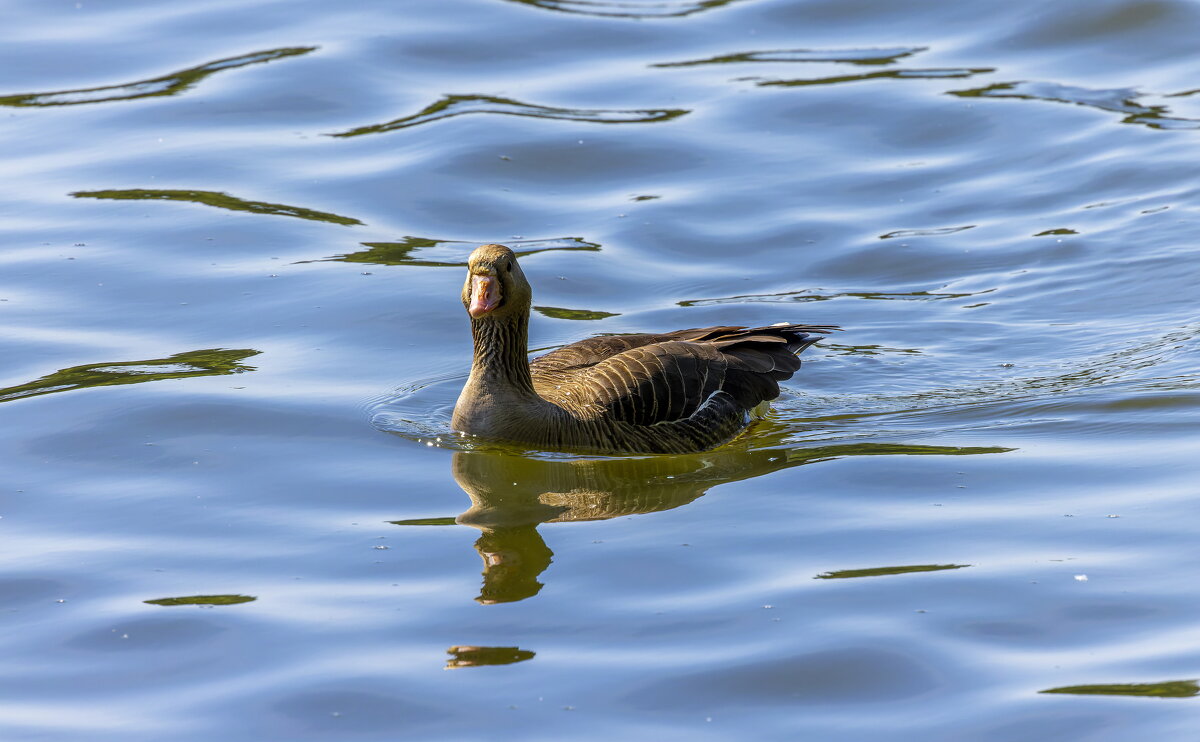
{"type": "Point", "coordinates": [233, 245]}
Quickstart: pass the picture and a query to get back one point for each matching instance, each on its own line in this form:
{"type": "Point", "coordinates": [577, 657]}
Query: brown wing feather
{"type": "Point", "coordinates": [645, 385]}
{"type": "Point", "coordinates": [591, 351]}
{"type": "Point", "coordinates": [663, 378]}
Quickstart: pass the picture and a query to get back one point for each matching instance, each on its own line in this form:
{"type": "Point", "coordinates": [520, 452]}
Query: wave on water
{"type": "Point", "coordinates": [850, 56]}
{"type": "Point", "coordinates": [1110, 375]}
{"type": "Point", "coordinates": [218, 200]}
{"type": "Point", "coordinates": [647, 9]}
{"type": "Point", "coordinates": [928, 73]}
{"type": "Point", "coordinates": [439, 253]}
{"type": "Point", "coordinates": [1115, 100]}
{"type": "Point", "coordinates": [459, 105]}
{"type": "Point", "coordinates": [211, 362]}
{"type": "Point", "coordinates": [169, 84]}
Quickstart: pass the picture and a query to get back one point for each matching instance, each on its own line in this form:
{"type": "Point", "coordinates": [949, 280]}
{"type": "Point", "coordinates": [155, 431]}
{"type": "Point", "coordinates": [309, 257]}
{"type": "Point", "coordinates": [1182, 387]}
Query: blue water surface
{"type": "Point", "coordinates": [233, 242]}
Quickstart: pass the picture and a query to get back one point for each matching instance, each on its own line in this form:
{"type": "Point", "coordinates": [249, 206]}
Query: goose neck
{"type": "Point", "coordinates": [501, 347]}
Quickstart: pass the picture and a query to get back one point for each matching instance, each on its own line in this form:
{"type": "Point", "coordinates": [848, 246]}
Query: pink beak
{"type": "Point", "coordinates": [485, 295]}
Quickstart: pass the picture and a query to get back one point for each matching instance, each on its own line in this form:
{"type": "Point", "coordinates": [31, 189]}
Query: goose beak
{"type": "Point", "coordinates": [485, 295]}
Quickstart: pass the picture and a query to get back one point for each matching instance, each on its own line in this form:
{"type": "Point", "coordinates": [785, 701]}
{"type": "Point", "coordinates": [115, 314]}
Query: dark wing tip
{"type": "Point", "coordinates": [789, 327]}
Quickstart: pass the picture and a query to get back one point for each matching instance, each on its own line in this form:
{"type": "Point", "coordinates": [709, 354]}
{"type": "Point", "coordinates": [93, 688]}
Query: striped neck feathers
{"type": "Point", "coordinates": [501, 351]}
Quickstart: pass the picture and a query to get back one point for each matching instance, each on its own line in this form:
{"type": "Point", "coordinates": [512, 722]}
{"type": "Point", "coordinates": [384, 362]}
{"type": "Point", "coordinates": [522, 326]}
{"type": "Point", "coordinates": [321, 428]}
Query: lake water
{"type": "Point", "coordinates": [233, 241]}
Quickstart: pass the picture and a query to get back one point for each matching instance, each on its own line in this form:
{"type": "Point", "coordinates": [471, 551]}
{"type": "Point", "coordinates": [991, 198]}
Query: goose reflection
{"type": "Point", "coordinates": [511, 495]}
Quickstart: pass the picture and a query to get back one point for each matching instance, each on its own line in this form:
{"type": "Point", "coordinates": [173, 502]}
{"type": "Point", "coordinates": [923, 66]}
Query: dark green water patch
{"type": "Point", "coordinates": [212, 362]}
{"type": "Point", "coordinates": [203, 600]}
{"type": "Point", "coordinates": [448, 253]}
{"type": "Point", "coordinates": [458, 105]}
{"type": "Point", "coordinates": [446, 521]}
{"type": "Point", "coordinates": [884, 571]}
{"type": "Point", "coordinates": [220, 201]}
{"type": "Point", "coordinates": [850, 56]}
{"type": "Point", "coordinates": [585, 314]}
{"type": "Point", "coordinates": [1062, 230]}
{"type": "Point", "coordinates": [482, 656]}
{"type": "Point", "coordinates": [1167, 689]}
{"type": "Point", "coordinates": [933, 73]}
{"type": "Point", "coordinates": [170, 84]}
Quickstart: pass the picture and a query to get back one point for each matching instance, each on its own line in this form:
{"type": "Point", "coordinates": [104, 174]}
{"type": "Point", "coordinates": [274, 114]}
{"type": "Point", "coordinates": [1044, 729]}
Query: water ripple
{"type": "Point", "coordinates": [850, 56]}
{"type": "Point", "coordinates": [1116, 100]}
{"type": "Point", "coordinates": [438, 253]}
{"type": "Point", "coordinates": [576, 314]}
{"type": "Point", "coordinates": [924, 232]}
{"type": "Point", "coordinates": [458, 105]}
{"type": "Point", "coordinates": [212, 362]}
{"type": "Point", "coordinates": [171, 84]}
{"type": "Point", "coordinates": [988, 404]}
{"type": "Point", "coordinates": [807, 295]}
{"type": "Point", "coordinates": [219, 200]}
{"type": "Point", "coordinates": [931, 73]}
{"type": "Point", "coordinates": [206, 600]}
{"type": "Point", "coordinates": [421, 410]}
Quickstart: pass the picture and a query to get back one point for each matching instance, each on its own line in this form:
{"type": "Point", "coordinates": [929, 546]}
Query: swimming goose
{"type": "Point", "coordinates": [676, 392]}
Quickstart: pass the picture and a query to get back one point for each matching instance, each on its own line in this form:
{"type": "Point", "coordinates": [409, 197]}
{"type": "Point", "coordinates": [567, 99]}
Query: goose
{"type": "Point", "coordinates": [677, 392]}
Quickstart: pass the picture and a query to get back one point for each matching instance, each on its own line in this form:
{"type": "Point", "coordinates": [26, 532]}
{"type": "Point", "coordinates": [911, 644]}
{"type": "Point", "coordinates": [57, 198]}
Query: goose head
{"type": "Point", "coordinates": [495, 287]}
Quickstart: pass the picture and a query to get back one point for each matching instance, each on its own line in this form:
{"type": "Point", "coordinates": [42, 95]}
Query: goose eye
{"type": "Point", "coordinates": [508, 268]}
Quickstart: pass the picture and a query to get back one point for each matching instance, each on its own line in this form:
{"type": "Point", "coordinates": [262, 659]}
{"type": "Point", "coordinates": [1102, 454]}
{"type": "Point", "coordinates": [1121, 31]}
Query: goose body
{"type": "Point", "coordinates": [675, 392]}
